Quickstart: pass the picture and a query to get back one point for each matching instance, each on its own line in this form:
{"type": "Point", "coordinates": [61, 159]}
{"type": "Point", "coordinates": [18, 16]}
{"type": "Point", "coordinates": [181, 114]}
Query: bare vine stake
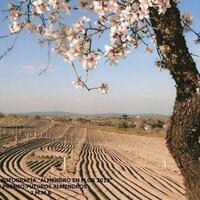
{"type": "Point", "coordinates": [165, 163]}
{"type": "Point", "coordinates": [64, 163]}
{"type": "Point", "coordinates": [16, 138]}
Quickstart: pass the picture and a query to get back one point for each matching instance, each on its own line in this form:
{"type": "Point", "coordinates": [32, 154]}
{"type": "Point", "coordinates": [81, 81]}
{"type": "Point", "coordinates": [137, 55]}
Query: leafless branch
{"type": "Point", "coordinates": [191, 29]}
{"type": "Point", "coordinates": [11, 47]}
{"type": "Point", "coordinates": [48, 60]}
{"type": "Point", "coordinates": [192, 54]}
{"type": "Point", "coordinates": [82, 82]}
{"type": "Point", "coordinates": [6, 36]}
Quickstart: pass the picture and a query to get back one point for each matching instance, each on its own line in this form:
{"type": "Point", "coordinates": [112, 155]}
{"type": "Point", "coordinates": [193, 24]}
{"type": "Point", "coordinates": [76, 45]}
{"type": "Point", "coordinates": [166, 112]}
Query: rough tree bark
{"type": "Point", "coordinates": [183, 136]}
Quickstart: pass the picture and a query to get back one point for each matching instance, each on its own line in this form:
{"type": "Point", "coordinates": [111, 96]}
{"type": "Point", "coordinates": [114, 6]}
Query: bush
{"type": "Point", "coordinates": [124, 116]}
{"type": "Point", "coordinates": [37, 117]}
{"type": "Point", "coordinates": [83, 121]}
{"type": "Point", "coordinates": [158, 124]}
{"type": "Point", "coordinates": [123, 125]}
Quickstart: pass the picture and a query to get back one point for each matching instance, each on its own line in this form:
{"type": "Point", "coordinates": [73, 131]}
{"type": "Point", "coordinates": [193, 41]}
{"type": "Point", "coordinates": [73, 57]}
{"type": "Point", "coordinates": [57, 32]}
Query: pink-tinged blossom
{"type": "Point", "coordinates": [148, 50]}
{"type": "Point", "coordinates": [118, 33]}
{"type": "Point", "coordinates": [84, 19]}
{"type": "Point", "coordinates": [144, 9]}
{"type": "Point", "coordinates": [53, 17]}
{"type": "Point", "coordinates": [124, 20]}
{"type": "Point", "coordinates": [128, 15]}
{"type": "Point", "coordinates": [104, 88]}
{"type": "Point", "coordinates": [162, 5]}
{"type": "Point", "coordinates": [60, 5]}
{"type": "Point", "coordinates": [31, 27]}
{"type": "Point", "coordinates": [15, 27]}
{"type": "Point", "coordinates": [114, 6]}
{"type": "Point", "coordinates": [41, 6]}
{"type": "Point", "coordinates": [15, 14]}
{"type": "Point", "coordinates": [115, 54]}
{"type": "Point", "coordinates": [133, 41]}
{"type": "Point", "coordinates": [100, 7]}
{"type": "Point", "coordinates": [78, 84]}
{"type": "Point", "coordinates": [34, 28]}
{"type": "Point", "coordinates": [69, 56]}
{"type": "Point", "coordinates": [89, 61]}
{"type": "Point", "coordinates": [49, 33]}
{"type": "Point", "coordinates": [80, 25]}
{"type": "Point", "coordinates": [103, 7]}
{"type": "Point", "coordinates": [187, 19]}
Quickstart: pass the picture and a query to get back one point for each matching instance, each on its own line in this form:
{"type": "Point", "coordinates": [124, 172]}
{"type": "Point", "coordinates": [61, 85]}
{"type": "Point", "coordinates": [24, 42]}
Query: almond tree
{"type": "Point", "coordinates": [129, 24]}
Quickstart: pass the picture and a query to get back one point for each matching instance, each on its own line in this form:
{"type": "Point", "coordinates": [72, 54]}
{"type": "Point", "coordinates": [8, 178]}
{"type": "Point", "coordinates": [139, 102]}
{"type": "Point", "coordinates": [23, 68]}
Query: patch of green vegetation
{"type": "Point", "coordinates": [158, 124]}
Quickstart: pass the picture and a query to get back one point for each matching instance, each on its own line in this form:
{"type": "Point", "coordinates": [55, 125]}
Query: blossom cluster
{"type": "Point", "coordinates": [126, 21]}
{"type": "Point", "coordinates": [187, 21]}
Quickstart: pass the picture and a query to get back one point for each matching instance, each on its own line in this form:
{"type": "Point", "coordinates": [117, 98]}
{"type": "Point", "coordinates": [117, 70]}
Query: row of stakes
{"type": "Point", "coordinates": [146, 156]}
{"type": "Point", "coordinates": [30, 135]}
{"type": "Point", "coordinates": [16, 131]}
{"type": "Point", "coordinates": [65, 159]}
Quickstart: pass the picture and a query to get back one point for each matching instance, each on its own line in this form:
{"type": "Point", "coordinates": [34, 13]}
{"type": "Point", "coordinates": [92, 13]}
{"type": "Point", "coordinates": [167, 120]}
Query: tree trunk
{"type": "Point", "coordinates": [183, 136]}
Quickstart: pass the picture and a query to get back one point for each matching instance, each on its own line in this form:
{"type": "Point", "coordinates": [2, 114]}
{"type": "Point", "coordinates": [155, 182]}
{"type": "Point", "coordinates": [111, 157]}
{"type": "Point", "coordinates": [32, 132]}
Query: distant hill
{"type": "Point", "coordinates": [69, 114]}
{"type": "Point", "coordinates": [52, 114]}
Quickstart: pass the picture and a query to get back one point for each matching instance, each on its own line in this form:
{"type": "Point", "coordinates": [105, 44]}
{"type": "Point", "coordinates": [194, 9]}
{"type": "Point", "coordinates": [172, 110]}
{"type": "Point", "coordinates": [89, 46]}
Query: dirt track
{"type": "Point", "coordinates": [108, 165]}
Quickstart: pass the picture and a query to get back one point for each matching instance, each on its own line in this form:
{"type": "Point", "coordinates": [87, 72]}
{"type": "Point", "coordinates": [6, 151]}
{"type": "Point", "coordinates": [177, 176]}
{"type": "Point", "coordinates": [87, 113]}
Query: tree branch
{"type": "Point", "coordinates": [11, 47]}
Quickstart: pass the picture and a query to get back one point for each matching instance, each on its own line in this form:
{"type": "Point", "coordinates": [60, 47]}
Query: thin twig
{"type": "Point", "coordinates": [86, 79]}
{"type": "Point", "coordinates": [11, 47]}
{"type": "Point", "coordinates": [192, 54]}
{"type": "Point", "coordinates": [48, 60]}
{"type": "Point", "coordinates": [82, 82]}
{"type": "Point", "coordinates": [8, 35]}
{"type": "Point", "coordinates": [75, 70]}
{"type": "Point", "coordinates": [191, 29]}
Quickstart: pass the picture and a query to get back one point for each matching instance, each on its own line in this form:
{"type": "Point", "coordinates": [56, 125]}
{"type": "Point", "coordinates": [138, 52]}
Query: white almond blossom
{"type": "Point", "coordinates": [115, 54]}
{"type": "Point", "coordinates": [104, 88]}
{"type": "Point", "coordinates": [60, 5]}
{"type": "Point", "coordinates": [69, 56]}
{"type": "Point", "coordinates": [89, 61]}
{"type": "Point", "coordinates": [15, 14]}
{"type": "Point", "coordinates": [128, 15]}
{"type": "Point", "coordinates": [53, 17]}
{"type": "Point", "coordinates": [122, 21]}
{"type": "Point", "coordinates": [41, 6]}
{"type": "Point", "coordinates": [32, 28]}
{"type": "Point", "coordinates": [15, 27]}
{"type": "Point", "coordinates": [78, 84]}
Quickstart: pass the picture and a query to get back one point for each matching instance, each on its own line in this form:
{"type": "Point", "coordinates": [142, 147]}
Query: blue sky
{"type": "Point", "coordinates": [135, 85]}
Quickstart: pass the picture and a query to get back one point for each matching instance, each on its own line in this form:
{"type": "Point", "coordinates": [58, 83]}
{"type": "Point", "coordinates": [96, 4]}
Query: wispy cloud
{"type": "Point", "coordinates": [28, 69]}
{"type": "Point", "coordinates": [33, 70]}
